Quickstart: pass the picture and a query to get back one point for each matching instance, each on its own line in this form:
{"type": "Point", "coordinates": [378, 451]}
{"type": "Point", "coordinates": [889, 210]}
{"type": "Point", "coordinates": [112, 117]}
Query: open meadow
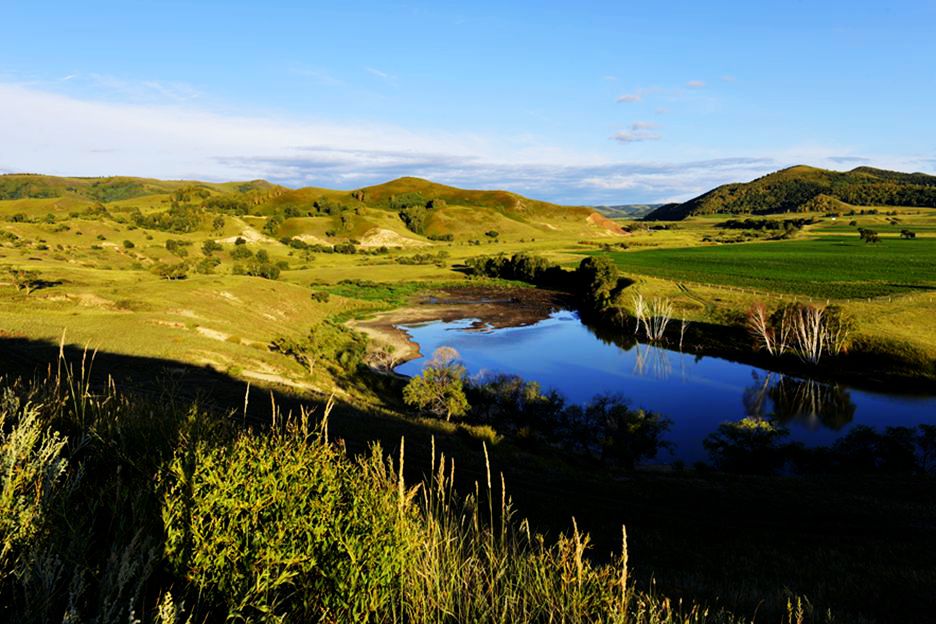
{"type": "Point", "coordinates": [210, 288]}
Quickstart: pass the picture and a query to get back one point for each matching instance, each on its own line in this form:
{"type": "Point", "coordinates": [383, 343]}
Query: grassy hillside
{"type": "Point", "coordinates": [108, 189]}
{"type": "Point", "coordinates": [393, 214]}
{"type": "Point", "coordinates": [805, 189]}
{"type": "Point", "coordinates": [101, 275]}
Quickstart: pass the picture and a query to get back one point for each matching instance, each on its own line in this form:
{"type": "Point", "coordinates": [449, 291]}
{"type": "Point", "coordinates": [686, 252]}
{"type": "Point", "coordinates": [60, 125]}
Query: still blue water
{"type": "Point", "coordinates": [696, 392]}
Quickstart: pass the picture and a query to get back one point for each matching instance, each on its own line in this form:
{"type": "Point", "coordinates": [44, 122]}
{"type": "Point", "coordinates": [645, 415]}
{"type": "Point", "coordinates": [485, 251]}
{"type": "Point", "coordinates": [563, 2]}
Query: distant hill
{"type": "Point", "coordinates": [803, 188]}
{"type": "Point", "coordinates": [403, 206]}
{"type": "Point", "coordinates": [627, 211]}
{"type": "Point", "coordinates": [108, 189]}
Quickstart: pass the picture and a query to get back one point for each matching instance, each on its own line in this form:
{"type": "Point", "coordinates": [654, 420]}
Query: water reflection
{"type": "Point", "coordinates": [650, 361]}
{"type": "Point", "coordinates": [804, 401]}
{"type": "Point", "coordinates": [697, 393]}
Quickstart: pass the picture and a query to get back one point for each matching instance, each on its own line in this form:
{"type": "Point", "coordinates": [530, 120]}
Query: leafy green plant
{"type": "Point", "coordinates": [439, 388]}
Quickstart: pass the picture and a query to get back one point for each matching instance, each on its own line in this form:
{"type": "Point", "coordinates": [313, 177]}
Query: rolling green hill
{"type": "Point", "coordinates": [808, 189]}
{"type": "Point", "coordinates": [400, 208]}
{"type": "Point", "coordinates": [108, 189]}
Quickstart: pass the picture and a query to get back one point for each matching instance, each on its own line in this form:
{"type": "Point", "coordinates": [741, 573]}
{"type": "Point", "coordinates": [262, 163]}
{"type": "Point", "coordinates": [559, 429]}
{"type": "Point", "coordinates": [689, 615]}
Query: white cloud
{"type": "Point", "coordinates": [635, 135]}
{"type": "Point", "coordinates": [42, 131]}
{"type": "Point", "coordinates": [318, 76]}
{"type": "Point", "coordinates": [629, 97]}
{"type": "Point", "coordinates": [140, 90]}
{"type": "Point", "coordinates": [644, 125]}
{"type": "Point", "coordinates": [695, 84]}
{"type": "Point", "coordinates": [380, 74]}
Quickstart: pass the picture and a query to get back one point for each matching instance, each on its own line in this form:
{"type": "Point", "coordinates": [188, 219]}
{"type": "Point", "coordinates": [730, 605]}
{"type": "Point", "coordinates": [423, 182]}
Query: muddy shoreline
{"type": "Point", "coordinates": [495, 307]}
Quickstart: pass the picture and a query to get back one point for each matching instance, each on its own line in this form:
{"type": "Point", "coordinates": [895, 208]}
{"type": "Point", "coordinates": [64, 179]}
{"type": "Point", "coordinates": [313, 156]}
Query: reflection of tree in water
{"type": "Point", "coordinates": [652, 361]}
{"type": "Point", "coordinates": [788, 399]}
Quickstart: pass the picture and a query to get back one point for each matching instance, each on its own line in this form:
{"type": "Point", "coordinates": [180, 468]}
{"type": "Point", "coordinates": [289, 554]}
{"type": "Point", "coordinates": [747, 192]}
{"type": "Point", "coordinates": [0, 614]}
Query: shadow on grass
{"type": "Point", "coordinates": [864, 546]}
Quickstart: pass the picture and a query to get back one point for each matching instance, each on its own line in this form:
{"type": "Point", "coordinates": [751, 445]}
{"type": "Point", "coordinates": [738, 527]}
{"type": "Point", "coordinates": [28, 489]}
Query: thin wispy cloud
{"type": "Point", "coordinates": [728, 78]}
{"type": "Point", "coordinates": [845, 160]}
{"type": "Point", "coordinates": [142, 90]}
{"type": "Point", "coordinates": [318, 76]}
{"type": "Point", "coordinates": [373, 71]}
{"type": "Point", "coordinates": [695, 84]}
{"type": "Point", "coordinates": [635, 135]}
{"type": "Point", "coordinates": [644, 125]}
{"type": "Point", "coordinates": [629, 97]}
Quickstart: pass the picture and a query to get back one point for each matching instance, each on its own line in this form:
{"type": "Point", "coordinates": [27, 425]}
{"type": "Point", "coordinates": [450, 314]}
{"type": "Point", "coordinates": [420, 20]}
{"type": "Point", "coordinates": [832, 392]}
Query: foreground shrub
{"type": "Point", "coordinates": [273, 525]}
{"type": "Point", "coordinates": [31, 472]}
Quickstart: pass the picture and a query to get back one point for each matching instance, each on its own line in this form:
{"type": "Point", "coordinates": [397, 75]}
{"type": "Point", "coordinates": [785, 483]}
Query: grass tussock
{"type": "Point", "coordinates": [115, 508]}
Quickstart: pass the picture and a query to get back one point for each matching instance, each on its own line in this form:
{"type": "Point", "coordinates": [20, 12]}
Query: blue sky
{"type": "Point", "coordinates": [586, 102]}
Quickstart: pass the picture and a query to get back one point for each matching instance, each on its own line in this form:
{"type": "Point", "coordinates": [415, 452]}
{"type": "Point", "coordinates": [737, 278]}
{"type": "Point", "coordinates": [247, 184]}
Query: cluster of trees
{"type": "Point", "coordinates": [330, 343]}
{"type": "Point", "coordinates": [415, 210]}
{"type": "Point", "coordinates": [178, 247]}
{"type": "Point", "coordinates": [258, 264]}
{"type": "Point", "coordinates": [188, 211]}
{"type": "Point", "coordinates": [869, 236]}
{"type": "Point", "coordinates": [605, 429]}
{"type": "Point", "coordinates": [227, 204]}
{"type": "Point", "coordinates": [807, 331]}
{"type": "Point", "coordinates": [523, 267]}
{"type": "Point", "coordinates": [180, 218]}
{"type": "Point", "coordinates": [23, 187]}
{"type": "Point", "coordinates": [787, 225]}
{"type": "Point", "coordinates": [439, 259]}
{"type": "Point", "coordinates": [758, 445]}
{"type": "Point", "coordinates": [329, 207]}
{"type": "Point", "coordinates": [596, 282]}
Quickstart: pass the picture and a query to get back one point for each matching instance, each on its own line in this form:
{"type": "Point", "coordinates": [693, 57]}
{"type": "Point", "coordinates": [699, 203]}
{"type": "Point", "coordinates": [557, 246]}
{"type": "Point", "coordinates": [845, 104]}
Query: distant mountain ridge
{"type": "Point", "coordinates": [803, 189]}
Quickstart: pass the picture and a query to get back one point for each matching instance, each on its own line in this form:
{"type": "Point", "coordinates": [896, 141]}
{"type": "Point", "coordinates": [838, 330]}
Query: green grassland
{"type": "Point", "coordinates": [107, 294]}
{"type": "Point", "coordinates": [101, 285]}
{"type": "Point", "coordinates": [830, 266]}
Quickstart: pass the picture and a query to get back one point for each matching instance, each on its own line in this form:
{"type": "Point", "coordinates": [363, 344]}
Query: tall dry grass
{"type": "Point", "coordinates": [121, 509]}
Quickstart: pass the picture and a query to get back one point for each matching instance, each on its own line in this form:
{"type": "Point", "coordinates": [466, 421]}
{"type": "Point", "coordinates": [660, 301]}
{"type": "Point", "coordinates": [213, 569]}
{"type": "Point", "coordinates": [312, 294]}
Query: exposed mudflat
{"type": "Point", "coordinates": [492, 306]}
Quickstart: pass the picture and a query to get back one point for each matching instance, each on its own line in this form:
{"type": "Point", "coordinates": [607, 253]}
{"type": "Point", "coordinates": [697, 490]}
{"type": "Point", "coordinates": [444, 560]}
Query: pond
{"type": "Point", "coordinates": [696, 393]}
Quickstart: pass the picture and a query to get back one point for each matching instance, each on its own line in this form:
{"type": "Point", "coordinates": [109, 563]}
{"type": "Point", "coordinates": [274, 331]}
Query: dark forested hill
{"type": "Point", "coordinates": [803, 189]}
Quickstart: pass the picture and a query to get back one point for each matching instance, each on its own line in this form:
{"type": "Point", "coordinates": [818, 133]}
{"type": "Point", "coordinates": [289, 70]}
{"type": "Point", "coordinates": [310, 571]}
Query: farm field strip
{"type": "Point", "coordinates": [834, 267]}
